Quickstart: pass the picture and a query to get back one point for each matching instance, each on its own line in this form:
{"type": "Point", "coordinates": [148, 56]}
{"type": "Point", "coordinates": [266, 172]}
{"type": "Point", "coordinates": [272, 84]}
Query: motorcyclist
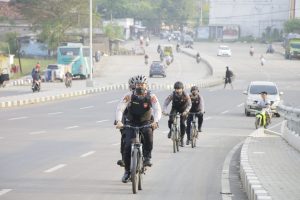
{"type": "Point", "coordinates": [251, 50]}
{"type": "Point", "coordinates": [181, 103]}
{"type": "Point", "coordinates": [159, 49]}
{"type": "Point", "coordinates": [197, 107]}
{"type": "Point", "coordinates": [177, 47]}
{"type": "Point", "coordinates": [264, 103]}
{"type": "Point", "coordinates": [198, 58]}
{"type": "Point", "coordinates": [140, 104]}
{"type": "Point", "coordinates": [146, 59]}
{"type": "Point", "coordinates": [131, 84]}
{"type": "Point", "coordinates": [36, 78]}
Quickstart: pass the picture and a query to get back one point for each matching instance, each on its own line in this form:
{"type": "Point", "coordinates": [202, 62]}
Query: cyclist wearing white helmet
{"type": "Point", "coordinates": [141, 104]}
{"type": "Point", "coordinates": [131, 84]}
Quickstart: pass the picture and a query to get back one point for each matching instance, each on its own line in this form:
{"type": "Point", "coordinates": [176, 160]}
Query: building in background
{"type": "Point", "coordinates": [252, 16]}
{"type": "Point", "coordinates": [295, 9]}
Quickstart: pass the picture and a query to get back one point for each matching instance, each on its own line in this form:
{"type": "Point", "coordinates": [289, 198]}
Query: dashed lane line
{"type": "Point", "coordinates": [87, 154]}
{"type": "Point", "coordinates": [87, 107]}
{"type": "Point", "coordinates": [207, 118]}
{"type": "Point", "coordinates": [240, 105]}
{"type": "Point", "coordinates": [104, 120]}
{"type": "Point", "coordinates": [224, 112]}
{"type": "Point", "coordinates": [18, 118]}
{"type": "Point", "coordinates": [4, 191]}
{"type": "Point", "coordinates": [57, 167]}
{"type": "Point", "coordinates": [71, 127]}
{"type": "Point", "coordinates": [116, 144]}
{"type": "Point", "coordinates": [37, 132]}
{"type": "Point", "coordinates": [1, 138]}
{"type": "Point", "coordinates": [113, 101]}
{"type": "Point", "coordinates": [55, 113]}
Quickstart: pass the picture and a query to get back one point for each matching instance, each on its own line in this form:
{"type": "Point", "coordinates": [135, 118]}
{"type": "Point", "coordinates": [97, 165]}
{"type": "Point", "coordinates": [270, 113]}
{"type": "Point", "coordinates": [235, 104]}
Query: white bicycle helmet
{"type": "Point", "coordinates": [141, 79]}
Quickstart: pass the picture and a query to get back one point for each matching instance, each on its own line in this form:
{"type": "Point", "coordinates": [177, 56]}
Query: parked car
{"type": "Point", "coordinates": [55, 72]}
{"type": "Point", "coordinates": [224, 51]}
{"type": "Point", "coordinates": [253, 96]}
{"type": "Point", "coordinates": [157, 68]}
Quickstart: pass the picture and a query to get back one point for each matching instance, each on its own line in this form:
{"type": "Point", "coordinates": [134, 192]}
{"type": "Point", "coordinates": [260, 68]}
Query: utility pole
{"type": "Point", "coordinates": [90, 82]}
{"type": "Point", "coordinates": [292, 9]}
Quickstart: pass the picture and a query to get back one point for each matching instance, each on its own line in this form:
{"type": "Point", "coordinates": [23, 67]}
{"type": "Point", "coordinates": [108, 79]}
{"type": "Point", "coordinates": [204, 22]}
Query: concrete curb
{"type": "Point", "coordinates": [35, 100]}
{"type": "Point", "coordinates": [290, 136]}
{"type": "Point", "coordinates": [253, 187]}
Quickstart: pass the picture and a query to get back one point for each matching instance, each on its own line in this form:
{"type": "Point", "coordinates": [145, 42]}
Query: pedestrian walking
{"type": "Point", "coordinates": [228, 77]}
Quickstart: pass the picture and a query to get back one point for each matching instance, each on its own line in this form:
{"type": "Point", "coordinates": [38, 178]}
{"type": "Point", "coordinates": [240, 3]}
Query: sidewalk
{"type": "Point", "coordinates": [270, 167]}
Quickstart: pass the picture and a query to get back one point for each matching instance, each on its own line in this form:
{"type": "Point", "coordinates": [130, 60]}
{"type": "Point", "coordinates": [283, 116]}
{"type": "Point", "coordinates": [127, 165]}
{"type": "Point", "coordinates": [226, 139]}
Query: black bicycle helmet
{"type": "Point", "coordinates": [194, 88]}
{"type": "Point", "coordinates": [178, 85]}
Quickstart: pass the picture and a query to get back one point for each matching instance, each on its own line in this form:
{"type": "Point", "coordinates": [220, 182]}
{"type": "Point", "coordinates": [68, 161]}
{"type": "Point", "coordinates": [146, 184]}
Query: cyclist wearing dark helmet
{"type": "Point", "coordinates": [141, 104]}
{"type": "Point", "coordinates": [181, 103]}
{"type": "Point", "coordinates": [131, 84]}
{"type": "Point", "coordinates": [197, 107]}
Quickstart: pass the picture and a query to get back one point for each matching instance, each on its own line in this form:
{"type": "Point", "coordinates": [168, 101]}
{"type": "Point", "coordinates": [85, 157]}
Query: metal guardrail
{"type": "Point", "coordinates": [292, 115]}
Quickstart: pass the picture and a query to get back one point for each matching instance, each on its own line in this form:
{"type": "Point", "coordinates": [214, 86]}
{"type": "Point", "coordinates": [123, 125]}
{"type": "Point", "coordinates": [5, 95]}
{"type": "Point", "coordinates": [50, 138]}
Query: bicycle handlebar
{"type": "Point", "coordinates": [137, 127]}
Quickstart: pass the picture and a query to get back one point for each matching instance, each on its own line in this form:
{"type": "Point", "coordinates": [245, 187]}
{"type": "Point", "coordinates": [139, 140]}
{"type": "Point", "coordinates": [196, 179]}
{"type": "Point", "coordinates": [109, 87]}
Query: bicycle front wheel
{"type": "Point", "coordinates": [193, 136]}
{"type": "Point", "coordinates": [177, 138]}
{"type": "Point", "coordinates": [173, 136]}
{"type": "Point", "coordinates": [140, 171]}
{"type": "Point", "coordinates": [133, 170]}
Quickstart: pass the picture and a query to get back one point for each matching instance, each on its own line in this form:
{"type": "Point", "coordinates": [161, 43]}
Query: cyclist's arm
{"type": "Point", "coordinates": [201, 104]}
{"type": "Point", "coordinates": [189, 104]}
{"type": "Point", "coordinates": [122, 106]}
{"type": "Point", "coordinates": [167, 102]}
{"type": "Point", "coordinates": [156, 108]}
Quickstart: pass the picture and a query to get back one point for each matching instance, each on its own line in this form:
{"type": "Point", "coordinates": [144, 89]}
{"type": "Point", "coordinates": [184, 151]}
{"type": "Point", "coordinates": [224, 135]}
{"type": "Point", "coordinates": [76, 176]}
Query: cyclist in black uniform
{"type": "Point", "coordinates": [181, 103]}
{"type": "Point", "coordinates": [197, 107]}
{"type": "Point", "coordinates": [140, 104]}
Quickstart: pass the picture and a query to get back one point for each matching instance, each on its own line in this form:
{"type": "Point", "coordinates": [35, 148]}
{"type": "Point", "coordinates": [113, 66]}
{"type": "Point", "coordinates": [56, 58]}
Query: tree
{"type": "Point", "coordinates": [292, 26]}
{"type": "Point", "coordinates": [55, 17]}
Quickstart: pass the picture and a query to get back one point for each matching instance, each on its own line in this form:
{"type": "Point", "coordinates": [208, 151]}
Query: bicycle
{"type": "Point", "coordinates": [137, 168]}
{"type": "Point", "coordinates": [194, 131]}
{"type": "Point", "coordinates": [175, 132]}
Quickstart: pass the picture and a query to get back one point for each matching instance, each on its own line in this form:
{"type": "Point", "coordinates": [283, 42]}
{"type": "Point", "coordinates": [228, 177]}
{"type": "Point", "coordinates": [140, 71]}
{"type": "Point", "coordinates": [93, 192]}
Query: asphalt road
{"type": "Point", "coordinates": [68, 149]}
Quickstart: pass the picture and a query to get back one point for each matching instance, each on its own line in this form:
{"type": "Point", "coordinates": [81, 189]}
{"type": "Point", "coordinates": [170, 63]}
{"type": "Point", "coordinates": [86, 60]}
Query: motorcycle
{"type": "Point", "coordinates": [198, 59]}
{"type": "Point", "coordinates": [261, 118]}
{"type": "Point", "coordinates": [68, 82]}
{"type": "Point", "coordinates": [251, 53]}
{"type": "Point", "coordinates": [36, 87]}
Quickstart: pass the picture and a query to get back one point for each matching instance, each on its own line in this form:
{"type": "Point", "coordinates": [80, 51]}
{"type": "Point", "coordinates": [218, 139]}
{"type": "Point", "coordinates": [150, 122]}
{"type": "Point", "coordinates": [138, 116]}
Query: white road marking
{"type": "Point", "coordinates": [37, 132]}
{"type": "Point", "coordinates": [165, 131]}
{"type": "Point", "coordinates": [55, 168]}
{"type": "Point", "coordinates": [104, 120]}
{"type": "Point", "coordinates": [55, 113]}
{"type": "Point", "coordinates": [113, 101]}
{"type": "Point", "coordinates": [224, 112]}
{"type": "Point", "coordinates": [207, 118]}
{"type": "Point", "coordinates": [258, 152]}
{"type": "Point", "coordinates": [1, 138]}
{"type": "Point", "coordinates": [240, 105]}
{"type": "Point", "coordinates": [71, 127]}
{"type": "Point", "coordinates": [87, 107]}
{"type": "Point", "coordinates": [116, 144]}
{"type": "Point", "coordinates": [4, 191]}
{"type": "Point", "coordinates": [275, 125]}
{"type": "Point", "coordinates": [87, 154]}
{"type": "Point", "coordinates": [17, 118]}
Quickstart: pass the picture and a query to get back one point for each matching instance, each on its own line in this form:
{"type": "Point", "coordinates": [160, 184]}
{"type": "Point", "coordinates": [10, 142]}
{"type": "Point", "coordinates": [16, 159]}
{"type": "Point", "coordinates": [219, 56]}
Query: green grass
{"type": "Point", "coordinates": [29, 63]}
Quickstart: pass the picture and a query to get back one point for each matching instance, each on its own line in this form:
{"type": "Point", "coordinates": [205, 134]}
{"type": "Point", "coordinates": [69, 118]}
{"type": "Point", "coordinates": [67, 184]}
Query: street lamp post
{"type": "Point", "coordinates": [90, 82]}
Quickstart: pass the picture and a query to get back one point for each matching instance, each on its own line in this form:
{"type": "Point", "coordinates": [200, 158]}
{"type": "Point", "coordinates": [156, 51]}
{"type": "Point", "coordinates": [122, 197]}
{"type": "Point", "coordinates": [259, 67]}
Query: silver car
{"type": "Point", "coordinates": [253, 96]}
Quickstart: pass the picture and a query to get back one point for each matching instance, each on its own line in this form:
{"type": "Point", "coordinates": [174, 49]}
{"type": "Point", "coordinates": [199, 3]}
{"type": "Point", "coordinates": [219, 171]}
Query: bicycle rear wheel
{"type": "Point", "coordinates": [194, 137]}
{"type": "Point", "coordinates": [133, 170]}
